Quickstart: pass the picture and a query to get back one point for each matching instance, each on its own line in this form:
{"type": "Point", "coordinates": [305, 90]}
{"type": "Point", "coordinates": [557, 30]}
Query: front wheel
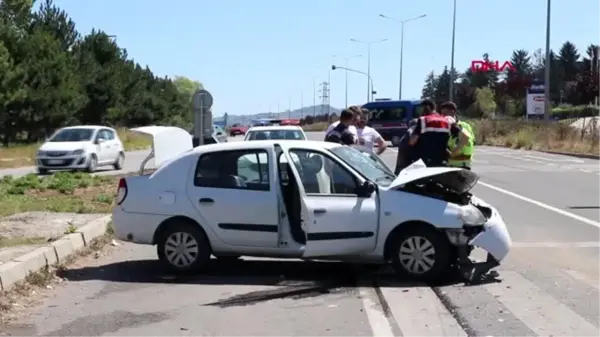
{"type": "Point", "coordinates": [421, 254]}
{"type": "Point", "coordinates": [184, 248]}
{"type": "Point", "coordinates": [91, 168]}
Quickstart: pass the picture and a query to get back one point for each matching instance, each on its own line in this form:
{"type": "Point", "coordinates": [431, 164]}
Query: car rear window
{"type": "Point", "coordinates": [275, 134]}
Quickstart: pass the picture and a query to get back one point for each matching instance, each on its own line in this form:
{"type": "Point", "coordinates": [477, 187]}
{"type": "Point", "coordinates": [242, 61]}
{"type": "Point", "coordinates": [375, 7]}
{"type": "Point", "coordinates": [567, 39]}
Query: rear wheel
{"type": "Point", "coordinates": [421, 253]}
{"type": "Point", "coordinates": [184, 248]}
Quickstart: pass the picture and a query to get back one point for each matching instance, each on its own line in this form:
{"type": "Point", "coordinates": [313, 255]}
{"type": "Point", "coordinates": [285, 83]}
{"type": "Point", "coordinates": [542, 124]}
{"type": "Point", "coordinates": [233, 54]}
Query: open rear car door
{"type": "Point", "coordinates": [335, 224]}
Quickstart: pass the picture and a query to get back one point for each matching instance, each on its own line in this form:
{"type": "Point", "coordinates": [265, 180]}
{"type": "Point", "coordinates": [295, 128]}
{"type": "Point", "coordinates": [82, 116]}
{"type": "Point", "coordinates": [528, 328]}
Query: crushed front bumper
{"type": "Point", "coordinates": [495, 240]}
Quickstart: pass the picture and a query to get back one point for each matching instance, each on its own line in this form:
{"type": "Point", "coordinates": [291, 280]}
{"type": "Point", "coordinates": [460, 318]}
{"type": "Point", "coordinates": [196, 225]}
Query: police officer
{"type": "Point", "coordinates": [431, 134]}
{"type": "Point", "coordinates": [464, 155]}
{"type": "Point", "coordinates": [341, 132]}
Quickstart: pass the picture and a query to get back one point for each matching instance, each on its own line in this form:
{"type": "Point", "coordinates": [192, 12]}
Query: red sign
{"type": "Point", "coordinates": [483, 65]}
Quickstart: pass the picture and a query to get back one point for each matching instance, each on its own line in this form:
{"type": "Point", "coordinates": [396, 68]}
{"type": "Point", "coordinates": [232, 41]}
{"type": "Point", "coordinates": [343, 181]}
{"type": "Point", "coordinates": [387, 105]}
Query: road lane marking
{"type": "Point", "coordinates": [377, 319]}
{"type": "Point", "coordinates": [419, 312]}
{"type": "Point", "coordinates": [591, 244]}
{"type": "Point", "coordinates": [532, 306]}
{"type": "Point", "coordinates": [542, 205]}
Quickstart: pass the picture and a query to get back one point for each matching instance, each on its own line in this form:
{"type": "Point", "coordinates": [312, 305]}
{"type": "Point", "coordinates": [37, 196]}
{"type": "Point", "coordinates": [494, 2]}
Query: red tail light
{"type": "Point", "coordinates": [121, 191]}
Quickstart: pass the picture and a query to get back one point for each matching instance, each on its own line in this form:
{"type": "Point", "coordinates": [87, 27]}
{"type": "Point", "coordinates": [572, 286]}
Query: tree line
{"type": "Point", "coordinates": [573, 84]}
{"type": "Point", "coordinates": [52, 76]}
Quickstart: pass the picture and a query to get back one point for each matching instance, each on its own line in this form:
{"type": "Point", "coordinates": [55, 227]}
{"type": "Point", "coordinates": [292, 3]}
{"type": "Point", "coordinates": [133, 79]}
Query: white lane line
{"type": "Point", "coordinates": [591, 244]}
{"type": "Point", "coordinates": [377, 320]}
{"type": "Point", "coordinates": [419, 312]}
{"type": "Point", "coordinates": [542, 205]}
{"type": "Point", "coordinates": [538, 310]}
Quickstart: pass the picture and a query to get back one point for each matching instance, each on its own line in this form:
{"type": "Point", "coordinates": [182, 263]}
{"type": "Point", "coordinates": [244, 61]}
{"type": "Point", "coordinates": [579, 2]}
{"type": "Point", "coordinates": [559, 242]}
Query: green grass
{"type": "Point", "coordinates": [61, 192]}
{"type": "Point", "coordinates": [20, 241]}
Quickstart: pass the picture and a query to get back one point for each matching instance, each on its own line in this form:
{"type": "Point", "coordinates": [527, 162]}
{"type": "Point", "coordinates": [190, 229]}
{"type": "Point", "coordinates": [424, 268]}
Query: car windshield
{"type": "Point", "coordinates": [72, 135]}
{"type": "Point", "coordinates": [275, 134]}
{"type": "Point", "coordinates": [367, 163]}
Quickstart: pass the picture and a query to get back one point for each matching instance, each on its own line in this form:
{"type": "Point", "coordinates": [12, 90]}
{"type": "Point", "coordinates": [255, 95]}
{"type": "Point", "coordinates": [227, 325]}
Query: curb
{"type": "Point", "coordinates": [572, 154]}
{"type": "Point", "coordinates": [58, 251]}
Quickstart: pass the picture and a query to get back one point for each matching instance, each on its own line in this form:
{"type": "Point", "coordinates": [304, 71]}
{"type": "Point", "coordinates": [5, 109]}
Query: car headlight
{"type": "Point", "coordinates": [470, 215]}
{"type": "Point", "coordinates": [77, 152]}
{"type": "Point", "coordinates": [41, 153]}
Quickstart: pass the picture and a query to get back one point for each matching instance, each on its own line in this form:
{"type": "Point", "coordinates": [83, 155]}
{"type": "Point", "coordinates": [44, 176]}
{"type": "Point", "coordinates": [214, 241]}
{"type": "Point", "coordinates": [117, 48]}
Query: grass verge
{"type": "Point", "coordinates": [320, 126]}
{"type": "Point", "coordinates": [44, 279]}
{"type": "Point", "coordinates": [537, 135]}
{"type": "Point", "coordinates": [24, 155]}
{"type": "Point", "coordinates": [61, 192]}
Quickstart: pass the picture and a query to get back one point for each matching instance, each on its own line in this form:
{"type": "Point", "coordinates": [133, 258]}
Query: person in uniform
{"type": "Point", "coordinates": [463, 156]}
{"type": "Point", "coordinates": [431, 134]}
{"type": "Point", "coordinates": [341, 133]}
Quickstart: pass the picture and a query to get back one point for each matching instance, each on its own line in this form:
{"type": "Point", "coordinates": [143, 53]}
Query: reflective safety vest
{"type": "Point", "coordinates": [466, 154]}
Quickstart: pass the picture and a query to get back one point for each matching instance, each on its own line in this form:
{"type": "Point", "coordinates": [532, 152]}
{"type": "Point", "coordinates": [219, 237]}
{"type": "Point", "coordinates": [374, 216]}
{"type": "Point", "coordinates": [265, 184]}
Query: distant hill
{"type": "Point", "coordinates": [294, 114]}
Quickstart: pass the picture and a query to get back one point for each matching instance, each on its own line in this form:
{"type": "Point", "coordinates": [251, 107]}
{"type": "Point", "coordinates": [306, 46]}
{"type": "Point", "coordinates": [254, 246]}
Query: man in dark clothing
{"type": "Point", "coordinates": [340, 133]}
{"type": "Point", "coordinates": [431, 134]}
{"type": "Point", "coordinates": [406, 153]}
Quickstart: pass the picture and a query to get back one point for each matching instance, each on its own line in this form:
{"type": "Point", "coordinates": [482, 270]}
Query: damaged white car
{"type": "Point", "coordinates": [333, 202]}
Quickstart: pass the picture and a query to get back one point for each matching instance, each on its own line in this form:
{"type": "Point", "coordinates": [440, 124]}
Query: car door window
{"type": "Point", "coordinates": [247, 170]}
{"type": "Point", "coordinates": [320, 174]}
{"type": "Point", "coordinates": [101, 135]}
{"type": "Point", "coordinates": [110, 135]}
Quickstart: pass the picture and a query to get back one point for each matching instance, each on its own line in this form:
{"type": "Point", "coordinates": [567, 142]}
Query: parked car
{"type": "Point", "coordinates": [333, 202]}
{"type": "Point", "coordinates": [219, 134]}
{"type": "Point", "coordinates": [275, 132]}
{"type": "Point", "coordinates": [237, 129]}
{"type": "Point", "coordinates": [85, 147]}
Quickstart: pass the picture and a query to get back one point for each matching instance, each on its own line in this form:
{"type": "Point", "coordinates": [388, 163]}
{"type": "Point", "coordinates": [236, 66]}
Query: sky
{"type": "Point", "coordinates": [256, 56]}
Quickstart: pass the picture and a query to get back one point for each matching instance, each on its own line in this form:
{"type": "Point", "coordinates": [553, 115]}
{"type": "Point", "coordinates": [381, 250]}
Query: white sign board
{"type": "Point", "coordinates": [536, 100]}
{"type": "Point", "coordinates": [536, 104]}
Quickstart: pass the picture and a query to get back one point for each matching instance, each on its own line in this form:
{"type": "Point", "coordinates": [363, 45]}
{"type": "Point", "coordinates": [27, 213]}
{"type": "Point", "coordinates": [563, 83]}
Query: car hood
{"type": "Point", "coordinates": [455, 179]}
{"type": "Point", "coordinates": [63, 146]}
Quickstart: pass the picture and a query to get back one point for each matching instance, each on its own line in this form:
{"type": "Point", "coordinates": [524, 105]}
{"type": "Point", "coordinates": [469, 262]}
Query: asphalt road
{"type": "Point", "coordinates": [549, 283]}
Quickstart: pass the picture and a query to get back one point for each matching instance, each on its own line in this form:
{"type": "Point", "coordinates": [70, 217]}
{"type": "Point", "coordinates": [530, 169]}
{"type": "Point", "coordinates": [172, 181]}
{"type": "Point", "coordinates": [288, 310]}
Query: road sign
{"type": "Point", "coordinates": [202, 99]}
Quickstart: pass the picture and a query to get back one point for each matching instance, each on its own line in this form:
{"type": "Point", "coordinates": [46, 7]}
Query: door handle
{"type": "Point", "coordinates": [319, 210]}
{"type": "Point", "coordinates": [206, 201]}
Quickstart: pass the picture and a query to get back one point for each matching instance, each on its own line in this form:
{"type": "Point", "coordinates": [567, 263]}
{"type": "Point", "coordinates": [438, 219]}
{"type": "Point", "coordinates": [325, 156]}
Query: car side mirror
{"type": "Point", "coordinates": [366, 189]}
{"type": "Point", "coordinates": [99, 141]}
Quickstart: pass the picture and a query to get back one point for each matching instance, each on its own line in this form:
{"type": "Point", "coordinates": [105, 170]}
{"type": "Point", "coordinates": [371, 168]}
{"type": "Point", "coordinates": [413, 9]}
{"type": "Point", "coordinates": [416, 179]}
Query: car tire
{"type": "Point", "coordinates": [42, 171]}
{"type": "Point", "coordinates": [119, 162]}
{"type": "Point", "coordinates": [185, 236]}
{"type": "Point", "coordinates": [93, 164]}
{"type": "Point", "coordinates": [423, 267]}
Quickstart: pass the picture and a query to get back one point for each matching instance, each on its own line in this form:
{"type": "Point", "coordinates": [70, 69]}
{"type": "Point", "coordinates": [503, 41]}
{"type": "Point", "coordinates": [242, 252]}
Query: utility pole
{"type": "Point", "coordinates": [314, 97]}
{"type": "Point", "coordinates": [548, 65]}
{"type": "Point", "coordinates": [451, 89]}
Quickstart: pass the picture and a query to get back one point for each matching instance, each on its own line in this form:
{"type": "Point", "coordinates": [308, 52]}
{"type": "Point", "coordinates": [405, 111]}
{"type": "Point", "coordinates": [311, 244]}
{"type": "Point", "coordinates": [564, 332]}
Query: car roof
{"type": "Point", "coordinates": [87, 127]}
{"type": "Point", "coordinates": [259, 144]}
{"type": "Point", "coordinates": [275, 127]}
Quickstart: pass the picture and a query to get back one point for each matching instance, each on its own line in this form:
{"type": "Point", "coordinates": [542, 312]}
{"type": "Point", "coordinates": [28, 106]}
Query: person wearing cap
{"type": "Point", "coordinates": [463, 156]}
{"type": "Point", "coordinates": [431, 134]}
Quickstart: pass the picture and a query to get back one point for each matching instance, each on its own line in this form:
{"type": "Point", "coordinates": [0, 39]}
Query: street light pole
{"type": "Point", "coordinates": [369, 79]}
{"type": "Point", "coordinates": [451, 89]}
{"type": "Point", "coordinates": [548, 65]}
{"type": "Point", "coordinates": [401, 22]}
{"type": "Point", "coordinates": [346, 64]}
{"type": "Point", "coordinates": [369, 44]}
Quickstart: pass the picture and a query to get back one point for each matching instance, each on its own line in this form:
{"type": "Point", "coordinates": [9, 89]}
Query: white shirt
{"type": "Point", "coordinates": [351, 129]}
{"type": "Point", "coordinates": [369, 135]}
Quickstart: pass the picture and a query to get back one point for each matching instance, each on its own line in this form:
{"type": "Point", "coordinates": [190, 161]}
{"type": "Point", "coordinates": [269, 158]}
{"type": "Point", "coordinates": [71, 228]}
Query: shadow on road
{"type": "Point", "coordinates": [241, 272]}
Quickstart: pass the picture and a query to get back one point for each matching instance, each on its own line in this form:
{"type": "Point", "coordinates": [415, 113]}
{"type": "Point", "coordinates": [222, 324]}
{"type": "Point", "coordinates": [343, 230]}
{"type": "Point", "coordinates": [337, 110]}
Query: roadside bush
{"type": "Point", "coordinates": [566, 111]}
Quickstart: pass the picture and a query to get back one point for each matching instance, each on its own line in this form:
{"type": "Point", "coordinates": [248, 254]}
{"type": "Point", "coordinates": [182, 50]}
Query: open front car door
{"type": "Point", "coordinates": [340, 209]}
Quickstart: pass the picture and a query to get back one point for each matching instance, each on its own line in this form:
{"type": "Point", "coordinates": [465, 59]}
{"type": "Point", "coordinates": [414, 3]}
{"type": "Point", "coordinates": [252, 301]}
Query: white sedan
{"type": "Point", "coordinates": [274, 132]}
{"type": "Point", "coordinates": [84, 147]}
{"type": "Point", "coordinates": [333, 202]}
